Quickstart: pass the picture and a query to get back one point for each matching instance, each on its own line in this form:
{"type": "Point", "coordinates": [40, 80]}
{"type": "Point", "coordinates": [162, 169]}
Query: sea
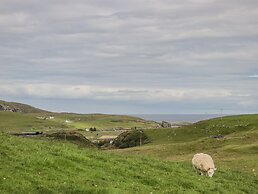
{"type": "Point", "coordinates": [177, 118]}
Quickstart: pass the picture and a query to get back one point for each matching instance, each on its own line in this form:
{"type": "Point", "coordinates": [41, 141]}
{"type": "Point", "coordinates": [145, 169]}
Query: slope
{"type": "Point", "coordinates": [38, 166]}
{"type": "Point", "coordinates": [17, 122]}
{"type": "Point", "coordinates": [22, 107]}
{"type": "Point", "coordinates": [232, 141]}
{"type": "Point", "coordinates": [24, 117]}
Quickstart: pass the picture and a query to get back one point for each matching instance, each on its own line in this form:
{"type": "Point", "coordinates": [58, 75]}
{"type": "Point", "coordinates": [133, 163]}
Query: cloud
{"type": "Point", "coordinates": [130, 50]}
{"type": "Point", "coordinates": [111, 93]}
{"type": "Point", "coordinates": [253, 76]}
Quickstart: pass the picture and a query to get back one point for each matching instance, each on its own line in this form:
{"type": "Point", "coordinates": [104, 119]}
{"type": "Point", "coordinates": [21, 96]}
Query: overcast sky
{"type": "Point", "coordinates": [137, 56]}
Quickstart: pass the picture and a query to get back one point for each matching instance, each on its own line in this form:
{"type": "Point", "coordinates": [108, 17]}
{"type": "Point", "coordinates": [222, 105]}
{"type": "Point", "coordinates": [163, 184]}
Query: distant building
{"type": "Point", "coordinates": [42, 118]}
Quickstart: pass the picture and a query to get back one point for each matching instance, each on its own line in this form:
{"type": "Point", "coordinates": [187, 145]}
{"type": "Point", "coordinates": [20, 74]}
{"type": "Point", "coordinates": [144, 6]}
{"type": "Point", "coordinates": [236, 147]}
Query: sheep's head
{"type": "Point", "coordinates": [210, 172]}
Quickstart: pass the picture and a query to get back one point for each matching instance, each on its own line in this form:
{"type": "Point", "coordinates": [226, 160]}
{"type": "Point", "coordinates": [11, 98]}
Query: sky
{"type": "Point", "coordinates": [130, 57]}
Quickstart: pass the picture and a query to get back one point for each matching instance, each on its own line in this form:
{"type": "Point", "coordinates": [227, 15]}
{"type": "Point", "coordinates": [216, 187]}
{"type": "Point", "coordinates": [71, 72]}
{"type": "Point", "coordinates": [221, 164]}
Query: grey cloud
{"type": "Point", "coordinates": [126, 44]}
{"type": "Point", "coordinates": [253, 76]}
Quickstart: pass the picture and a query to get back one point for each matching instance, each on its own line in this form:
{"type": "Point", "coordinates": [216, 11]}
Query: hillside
{"type": "Point", "coordinates": [64, 163]}
{"type": "Point", "coordinates": [20, 117]}
{"type": "Point", "coordinates": [40, 166]}
{"type": "Point", "coordinates": [18, 122]}
{"type": "Point", "coordinates": [19, 107]}
{"type": "Point", "coordinates": [232, 141]}
{"type": "Point", "coordinates": [103, 121]}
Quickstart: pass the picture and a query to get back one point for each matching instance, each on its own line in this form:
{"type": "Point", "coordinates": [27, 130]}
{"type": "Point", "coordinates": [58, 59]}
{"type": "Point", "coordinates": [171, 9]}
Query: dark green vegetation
{"type": "Point", "coordinates": [65, 162]}
{"type": "Point", "coordinates": [71, 136]}
{"type": "Point", "coordinates": [130, 139]}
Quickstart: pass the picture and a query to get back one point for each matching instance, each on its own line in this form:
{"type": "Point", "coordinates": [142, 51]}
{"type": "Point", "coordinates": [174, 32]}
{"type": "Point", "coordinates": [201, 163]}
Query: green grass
{"type": "Point", "coordinates": [102, 121]}
{"type": "Point", "coordinates": [12, 121]}
{"type": "Point", "coordinates": [237, 150]}
{"type": "Point", "coordinates": [15, 122]}
{"type": "Point", "coordinates": [33, 165]}
{"type": "Point", "coordinates": [40, 166]}
{"type": "Point", "coordinates": [21, 121]}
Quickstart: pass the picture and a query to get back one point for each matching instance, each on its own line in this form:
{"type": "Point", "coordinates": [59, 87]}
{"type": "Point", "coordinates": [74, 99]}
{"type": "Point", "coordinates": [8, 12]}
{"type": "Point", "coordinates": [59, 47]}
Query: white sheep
{"type": "Point", "coordinates": [204, 164]}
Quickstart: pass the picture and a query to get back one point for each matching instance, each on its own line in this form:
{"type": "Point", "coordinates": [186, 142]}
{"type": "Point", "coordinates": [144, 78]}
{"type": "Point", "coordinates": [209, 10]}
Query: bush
{"type": "Point", "coordinates": [130, 139]}
{"type": "Point", "coordinates": [71, 136]}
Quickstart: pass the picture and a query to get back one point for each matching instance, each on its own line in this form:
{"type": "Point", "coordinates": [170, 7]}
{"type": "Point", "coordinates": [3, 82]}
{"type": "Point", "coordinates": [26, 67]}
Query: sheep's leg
{"type": "Point", "coordinates": [196, 170]}
{"type": "Point", "coordinates": [194, 167]}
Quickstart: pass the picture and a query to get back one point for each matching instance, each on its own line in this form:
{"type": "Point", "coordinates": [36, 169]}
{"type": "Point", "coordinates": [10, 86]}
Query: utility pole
{"type": "Point", "coordinates": [140, 138]}
{"type": "Point", "coordinates": [221, 113]}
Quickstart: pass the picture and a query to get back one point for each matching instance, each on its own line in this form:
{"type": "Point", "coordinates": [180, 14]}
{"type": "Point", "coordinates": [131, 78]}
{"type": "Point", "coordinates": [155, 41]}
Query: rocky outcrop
{"type": "Point", "coordinates": [19, 107]}
{"type": "Point", "coordinates": [4, 107]}
{"type": "Point", "coordinates": [165, 124]}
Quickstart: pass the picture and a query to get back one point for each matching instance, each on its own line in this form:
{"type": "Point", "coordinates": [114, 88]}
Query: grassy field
{"type": "Point", "coordinates": [10, 121]}
{"type": "Point", "coordinates": [102, 121]}
{"type": "Point", "coordinates": [238, 149]}
{"type": "Point", "coordinates": [24, 122]}
{"type": "Point", "coordinates": [39, 166]}
{"type": "Point", "coordinates": [36, 165]}
{"type": "Point", "coordinates": [15, 122]}
{"type": "Point", "coordinates": [30, 118]}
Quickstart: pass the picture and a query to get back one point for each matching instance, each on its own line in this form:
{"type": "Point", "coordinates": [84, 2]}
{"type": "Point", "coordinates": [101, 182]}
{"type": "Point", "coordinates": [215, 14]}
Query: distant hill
{"type": "Point", "coordinates": [231, 136]}
{"type": "Point", "coordinates": [15, 117]}
{"type": "Point", "coordinates": [19, 107]}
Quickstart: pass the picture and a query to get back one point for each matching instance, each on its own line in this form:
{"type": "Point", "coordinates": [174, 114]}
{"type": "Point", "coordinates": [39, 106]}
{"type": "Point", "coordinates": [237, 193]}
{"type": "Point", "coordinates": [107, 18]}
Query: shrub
{"type": "Point", "coordinates": [130, 139]}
